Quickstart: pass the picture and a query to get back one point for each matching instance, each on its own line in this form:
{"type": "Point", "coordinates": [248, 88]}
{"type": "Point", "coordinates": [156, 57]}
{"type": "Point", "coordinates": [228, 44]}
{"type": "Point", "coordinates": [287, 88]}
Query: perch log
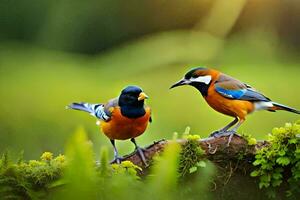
{"type": "Point", "coordinates": [217, 150]}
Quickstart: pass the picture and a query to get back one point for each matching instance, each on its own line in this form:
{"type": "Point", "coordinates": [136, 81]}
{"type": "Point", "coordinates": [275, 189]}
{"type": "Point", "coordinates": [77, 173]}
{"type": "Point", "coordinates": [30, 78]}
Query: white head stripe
{"type": "Point", "coordinates": [203, 79]}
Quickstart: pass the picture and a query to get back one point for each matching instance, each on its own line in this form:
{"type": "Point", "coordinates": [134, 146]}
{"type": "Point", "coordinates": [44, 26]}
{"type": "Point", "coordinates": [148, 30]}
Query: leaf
{"type": "Point", "coordinates": [267, 166]}
{"type": "Point", "coordinates": [277, 176]}
{"type": "Point", "coordinates": [293, 141]}
{"type": "Point", "coordinates": [201, 164]}
{"type": "Point", "coordinates": [265, 178]}
{"type": "Point", "coordinates": [281, 153]}
{"type": "Point", "coordinates": [257, 162]}
{"type": "Point", "coordinates": [193, 169]}
{"type": "Point", "coordinates": [283, 161]}
{"type": "Point", "coordinates": [255, 173]}
{"type": "Point", "coordinates": [263, 184]}
{"type": "Point", "coordinates": [276, 183]}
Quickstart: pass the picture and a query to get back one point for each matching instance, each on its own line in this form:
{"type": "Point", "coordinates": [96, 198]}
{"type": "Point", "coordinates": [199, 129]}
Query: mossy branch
{"type": "Point", "coordinates": [216, 150]}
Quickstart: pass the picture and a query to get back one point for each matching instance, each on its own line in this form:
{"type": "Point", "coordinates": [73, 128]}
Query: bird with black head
{"type": "Point", "coordinates": [121, 118]}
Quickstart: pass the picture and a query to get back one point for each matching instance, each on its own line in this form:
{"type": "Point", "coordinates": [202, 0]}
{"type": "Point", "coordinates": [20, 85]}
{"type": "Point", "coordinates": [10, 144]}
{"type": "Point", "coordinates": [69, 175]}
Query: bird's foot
{"type": "Point", "coordinates": [117, 160]}
{"type": "Point", "coordinates": [229, 133]}
{"type": "Point", "coordinates": [221, 133]}
{"type": "Point", "coordinates": [140, 151]}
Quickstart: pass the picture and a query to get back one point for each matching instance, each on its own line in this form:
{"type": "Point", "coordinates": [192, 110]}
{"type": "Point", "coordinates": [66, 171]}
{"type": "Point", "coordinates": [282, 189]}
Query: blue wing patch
{"type": "Point", "coordinates": [242, 94]}
{"type": "Point", "coordinates": [234, 89]}
{"type": "Point", "coordinates": [232, 94]}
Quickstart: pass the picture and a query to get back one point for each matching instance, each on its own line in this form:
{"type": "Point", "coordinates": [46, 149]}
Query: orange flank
{"type": "Point", "coordinates": [120, 127]}
{"type": "Point", "coordinates": [227, 106]}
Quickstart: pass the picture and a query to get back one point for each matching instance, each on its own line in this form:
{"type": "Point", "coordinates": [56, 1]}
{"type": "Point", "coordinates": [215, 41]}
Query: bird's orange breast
{"type": "Point", "coordinates": [231, 107]}
{"type": "Point", "coordinates": [121, 128]}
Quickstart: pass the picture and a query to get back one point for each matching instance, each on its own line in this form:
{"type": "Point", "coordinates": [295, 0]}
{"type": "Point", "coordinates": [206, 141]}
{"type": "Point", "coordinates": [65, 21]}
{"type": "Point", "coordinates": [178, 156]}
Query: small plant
{"type": "Point", "coordinates": [126, 167]}
{"type": "Point", "coordinates": [191, 155]}
{"type": "Point", "coordinates": [280, 161]}
{"type": "Point", "coordinates": [31, 179]}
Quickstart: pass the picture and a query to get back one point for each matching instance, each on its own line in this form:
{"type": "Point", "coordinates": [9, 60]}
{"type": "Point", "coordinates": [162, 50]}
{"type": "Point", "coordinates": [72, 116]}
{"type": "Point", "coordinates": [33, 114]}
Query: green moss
{"type": "Point", "coordinates": [29, 180]}
{"type": "Point", "coordinates": [191, 155]}
{"type": "Point", "coordinates": [278, 164]}
{"type": "Point", "coordinates": [251, 140]}
{"type": "Point", "coordinates": [126, 168]}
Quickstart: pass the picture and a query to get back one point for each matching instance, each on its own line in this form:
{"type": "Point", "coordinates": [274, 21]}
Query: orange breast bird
{"type": "Point", "coordinates": [229, 96]}
{"type": "Point", "coordinates": [122, 118]}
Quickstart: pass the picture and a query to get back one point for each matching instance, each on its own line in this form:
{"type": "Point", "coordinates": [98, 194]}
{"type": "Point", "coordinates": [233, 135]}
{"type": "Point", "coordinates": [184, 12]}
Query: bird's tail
{"type": "Point", "coordinates": [278, 106]}
{"type": "Point", "coordinates": [86, 107]}
{"type": "Point", "coordinates": [96, 110]}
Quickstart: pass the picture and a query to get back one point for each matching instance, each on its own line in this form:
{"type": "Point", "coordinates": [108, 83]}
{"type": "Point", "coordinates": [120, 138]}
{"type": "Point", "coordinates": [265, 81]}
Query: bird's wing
{"type": "Point", "coordinates": [234, 89]}
{"type": "Point", "coordinates": [110, 106]}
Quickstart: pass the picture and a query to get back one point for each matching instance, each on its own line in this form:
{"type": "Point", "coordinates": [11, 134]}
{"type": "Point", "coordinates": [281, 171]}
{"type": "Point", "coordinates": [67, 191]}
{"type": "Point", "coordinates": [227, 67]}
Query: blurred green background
{"type": "Point", "coordinates": [56, 52]}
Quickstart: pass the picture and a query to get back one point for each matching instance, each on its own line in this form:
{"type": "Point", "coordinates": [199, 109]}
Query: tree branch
{"type": "Point", "coordinates": [217, 150]}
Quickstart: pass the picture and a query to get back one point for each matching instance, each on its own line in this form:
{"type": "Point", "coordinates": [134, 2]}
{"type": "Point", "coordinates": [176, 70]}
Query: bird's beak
{"type": "Point", "coordinates": [180, 83]}
{"type": "Point", "coordinates": [142, 96]}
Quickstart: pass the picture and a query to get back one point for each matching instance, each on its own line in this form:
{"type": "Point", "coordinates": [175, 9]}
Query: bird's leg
{"type": "Point", "coordinates": [224, 130]}
{"type": "Point", "coordinates": [116, 159]}
{"type": "Point", "coordinates": [233, 131]}
{"type": "Point", "coordinates": [140, 152]}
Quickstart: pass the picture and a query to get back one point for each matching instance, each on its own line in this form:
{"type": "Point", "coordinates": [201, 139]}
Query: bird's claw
{"type": "Point", "coordinates": [229, 133]}
{"type": "Point", "coordinates": [117, 160]}
{"type": "Point", "coordinates": [140, 151]}
{"type": "Point", "coordinates": [223, 133]}
{"type": "Point", "coordinates": [230, 137]}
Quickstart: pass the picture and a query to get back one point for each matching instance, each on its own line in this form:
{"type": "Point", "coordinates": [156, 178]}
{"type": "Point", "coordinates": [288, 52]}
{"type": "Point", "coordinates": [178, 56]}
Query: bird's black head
{"type": "Point", "coordinates": [131, 101]}
{"type": "Point", "coordinates": [198, 77]}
